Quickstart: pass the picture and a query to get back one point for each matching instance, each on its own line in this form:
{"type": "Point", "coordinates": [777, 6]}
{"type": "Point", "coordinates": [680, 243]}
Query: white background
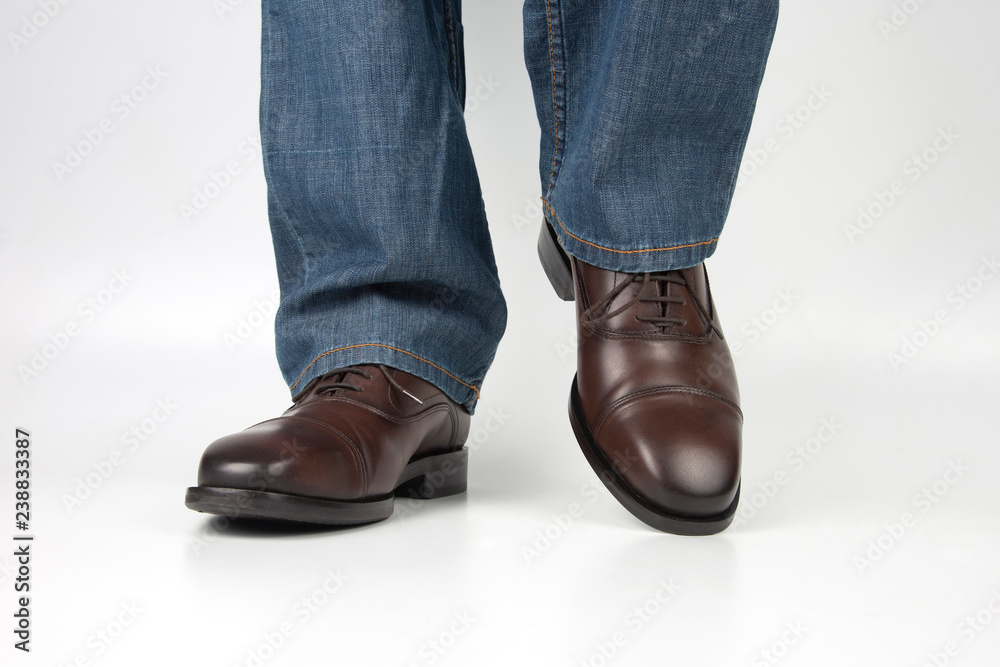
{"type": "Point", "coordinates": [536, 565]}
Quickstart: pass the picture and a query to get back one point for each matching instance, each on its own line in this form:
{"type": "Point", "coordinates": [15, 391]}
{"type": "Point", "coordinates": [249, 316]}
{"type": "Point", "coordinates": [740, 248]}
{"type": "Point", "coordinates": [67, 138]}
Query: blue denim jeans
{"type": "Point", "coordinates": [376, 212]}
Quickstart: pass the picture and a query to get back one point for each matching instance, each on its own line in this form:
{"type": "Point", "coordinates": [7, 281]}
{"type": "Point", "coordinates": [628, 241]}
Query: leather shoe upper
{"type": "Point", "coordinates": [348, 436]}
{"type": "Point", "coordinates": [657, 387]}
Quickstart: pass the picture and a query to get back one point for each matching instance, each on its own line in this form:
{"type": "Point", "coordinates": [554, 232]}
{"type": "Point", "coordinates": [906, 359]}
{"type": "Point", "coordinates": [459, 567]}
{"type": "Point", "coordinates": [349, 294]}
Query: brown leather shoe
{"type": "Point", "coordinates": [354, 438]}
{"type": "Point", "coordinates": [655, 404]}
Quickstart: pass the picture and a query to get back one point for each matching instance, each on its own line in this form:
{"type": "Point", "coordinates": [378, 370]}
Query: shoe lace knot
{"type": "Point", "coordinates": [336, 380]}
{"type": "Point", "coordinates": [652, 289]}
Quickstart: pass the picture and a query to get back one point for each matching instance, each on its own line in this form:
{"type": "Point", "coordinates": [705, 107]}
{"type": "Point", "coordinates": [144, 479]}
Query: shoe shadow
{"type": "Point", "coordinates": [256, 528]}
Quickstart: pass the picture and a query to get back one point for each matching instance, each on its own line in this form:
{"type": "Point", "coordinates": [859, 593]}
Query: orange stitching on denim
{"type": "Point", "coordinates": [348, 347]}
{"type": "Point", "coordinates": [624, 252]}
{"type": "Point", "coordinates": [555, 99]}
{"type": "Point", "coordinates": [451, 42]}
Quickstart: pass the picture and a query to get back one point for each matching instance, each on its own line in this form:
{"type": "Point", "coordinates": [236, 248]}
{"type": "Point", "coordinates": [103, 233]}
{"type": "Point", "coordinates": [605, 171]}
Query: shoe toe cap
{"type": "Point", "coordinates": [284, 456]}
{"type": "Point", "coordinates": [679, 452]}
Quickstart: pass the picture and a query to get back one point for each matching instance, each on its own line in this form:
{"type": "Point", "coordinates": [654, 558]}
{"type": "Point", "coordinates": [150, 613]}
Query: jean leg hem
{"type": "Point", "coordinates": [669, 257]}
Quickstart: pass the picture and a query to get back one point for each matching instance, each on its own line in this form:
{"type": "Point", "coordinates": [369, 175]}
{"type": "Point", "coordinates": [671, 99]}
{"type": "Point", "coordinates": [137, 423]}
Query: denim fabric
{"type": "Point", "coordinates": [645, 107]}
{"type": "Point", "coordinates": [376, 212]}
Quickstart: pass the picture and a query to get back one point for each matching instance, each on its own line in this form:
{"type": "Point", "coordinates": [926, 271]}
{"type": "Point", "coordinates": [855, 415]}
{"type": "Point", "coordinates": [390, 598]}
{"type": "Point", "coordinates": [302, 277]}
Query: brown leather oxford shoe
{"type": "Point", "coordinates": [354, 438]}
{"type": "Point", "coordinates": [655, 403]}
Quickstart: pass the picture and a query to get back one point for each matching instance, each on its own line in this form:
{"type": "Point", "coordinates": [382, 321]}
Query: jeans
{"type": "Point", "coordinates": [376, 213]}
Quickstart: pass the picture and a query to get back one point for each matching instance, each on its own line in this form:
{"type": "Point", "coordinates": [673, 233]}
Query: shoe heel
{"type": "Point", "coordinates": [555, 262]}
{"type": "Point", "coordinates": [436, 476]}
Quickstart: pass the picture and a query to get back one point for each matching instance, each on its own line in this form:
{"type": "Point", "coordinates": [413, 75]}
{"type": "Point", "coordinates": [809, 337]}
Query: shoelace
{"type": "Point", "coordinates": [599, 312]}
{"type": "Point", "coordinates": [334, 380]}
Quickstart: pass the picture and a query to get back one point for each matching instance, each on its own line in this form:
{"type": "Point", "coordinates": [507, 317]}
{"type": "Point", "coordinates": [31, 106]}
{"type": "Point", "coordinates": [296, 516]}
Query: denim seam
{"type": "Point", "coordinates": [325, 151]}
{"type": "Point", "coordinates": [451, 43]}
{"type": "Point", "coordinates": [555, 92]}
{"type": "Point", "coordinates": [624, 252]}
{"type": "Point", "coordinates": [265, 92]}
{"type": "Point", "coordinates": [419, 358]}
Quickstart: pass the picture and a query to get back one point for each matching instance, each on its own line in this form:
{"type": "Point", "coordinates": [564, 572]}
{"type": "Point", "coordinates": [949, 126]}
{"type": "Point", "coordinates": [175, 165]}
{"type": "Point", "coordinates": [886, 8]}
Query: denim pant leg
{"type": "Point", "coordinates": [645, 107]}
{"type": "Point", "coordinates": [376, 213]}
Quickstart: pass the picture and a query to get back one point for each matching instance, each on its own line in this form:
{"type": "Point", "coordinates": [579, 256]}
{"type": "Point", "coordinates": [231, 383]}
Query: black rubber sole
{"type": "Point", "coordinates": [555, 262]}
{"type": "Point", "coordinates": [430, 477]}
{"type": "Point", "coordinates": [623, 493]}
